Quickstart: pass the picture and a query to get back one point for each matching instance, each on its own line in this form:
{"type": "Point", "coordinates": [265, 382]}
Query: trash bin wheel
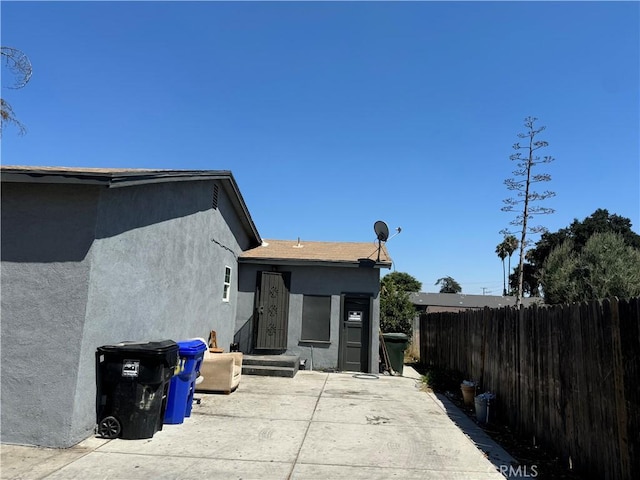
{"type": "Point", "coordinates": [109, 427]}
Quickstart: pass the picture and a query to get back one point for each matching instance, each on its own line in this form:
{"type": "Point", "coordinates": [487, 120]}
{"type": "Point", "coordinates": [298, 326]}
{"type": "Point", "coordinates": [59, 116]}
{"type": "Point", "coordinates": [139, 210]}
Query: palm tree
{"type": "Point", "coordinates": [511, 245]}
{"type": "Point", "coordinates": [501, 251]}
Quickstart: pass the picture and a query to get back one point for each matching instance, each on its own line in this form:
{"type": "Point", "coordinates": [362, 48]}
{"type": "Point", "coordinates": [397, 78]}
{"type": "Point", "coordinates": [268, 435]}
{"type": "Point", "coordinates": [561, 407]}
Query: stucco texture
{"type": "Point", "coordinates": [102, 266]}
{"type": "Point", "coordinates": [47, 233]}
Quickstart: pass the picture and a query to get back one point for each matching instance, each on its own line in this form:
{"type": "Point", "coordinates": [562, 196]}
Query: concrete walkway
{"type": "Point", "coordinates": [314, 426]}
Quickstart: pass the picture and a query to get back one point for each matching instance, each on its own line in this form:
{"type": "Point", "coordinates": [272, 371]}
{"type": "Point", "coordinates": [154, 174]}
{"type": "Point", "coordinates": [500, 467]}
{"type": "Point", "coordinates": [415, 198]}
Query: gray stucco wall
{"type": "Point", "coordinates": [312, 280]}
{"type": "Point", "coordinates": [132, 263]}
{"type": "Point", "coordinates": [157, 273]}
{"type": "Point", "coordinates": [47, 233]}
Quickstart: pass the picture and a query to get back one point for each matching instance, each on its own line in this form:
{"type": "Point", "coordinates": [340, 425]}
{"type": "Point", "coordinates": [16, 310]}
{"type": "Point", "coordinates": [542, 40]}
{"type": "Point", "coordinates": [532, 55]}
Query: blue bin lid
{"type": "Point", "coordinates": [192, 347]}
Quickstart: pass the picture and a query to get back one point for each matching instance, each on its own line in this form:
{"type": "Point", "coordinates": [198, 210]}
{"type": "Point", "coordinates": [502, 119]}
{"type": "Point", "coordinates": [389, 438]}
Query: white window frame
{"type": "Point", "coordinates": [226, 288]}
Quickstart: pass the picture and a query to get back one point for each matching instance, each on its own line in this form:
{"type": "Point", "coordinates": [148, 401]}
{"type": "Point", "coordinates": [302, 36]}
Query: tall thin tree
{"type": "Point", "coordinates": [522, 183]}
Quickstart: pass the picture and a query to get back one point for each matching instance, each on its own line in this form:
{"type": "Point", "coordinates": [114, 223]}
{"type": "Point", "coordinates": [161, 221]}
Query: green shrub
{"type": "Point", "coordinates": [442, 380]}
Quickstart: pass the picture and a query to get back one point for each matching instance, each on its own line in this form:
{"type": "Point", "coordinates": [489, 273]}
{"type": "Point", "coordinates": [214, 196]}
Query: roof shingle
{"type": "Point", "coordinates": [349, 252]}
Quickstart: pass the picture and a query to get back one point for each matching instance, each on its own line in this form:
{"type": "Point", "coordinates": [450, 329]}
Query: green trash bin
{"type": "Point", "coordinates": [396, 344]}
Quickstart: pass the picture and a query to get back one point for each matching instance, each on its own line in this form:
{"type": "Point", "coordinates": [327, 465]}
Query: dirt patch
{"type": "Point", "coordinates": [548, 465]}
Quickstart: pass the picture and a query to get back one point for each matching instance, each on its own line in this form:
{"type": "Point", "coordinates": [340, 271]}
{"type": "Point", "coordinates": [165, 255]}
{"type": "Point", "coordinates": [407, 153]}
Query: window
{"type": "Point", "coordinates": [226, 293]}
{"type": "Point", "coordinates": [316, 318]}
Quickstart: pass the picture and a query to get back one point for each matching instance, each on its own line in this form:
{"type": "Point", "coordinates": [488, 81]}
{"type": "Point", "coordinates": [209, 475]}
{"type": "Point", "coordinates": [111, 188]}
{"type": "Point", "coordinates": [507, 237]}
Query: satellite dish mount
{"type": "Point", "coordinates": [382, 234]}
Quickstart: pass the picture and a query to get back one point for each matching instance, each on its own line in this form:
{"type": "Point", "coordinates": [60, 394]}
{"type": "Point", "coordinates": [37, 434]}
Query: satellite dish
{"type": "Point", "coordinates": [382, 231]}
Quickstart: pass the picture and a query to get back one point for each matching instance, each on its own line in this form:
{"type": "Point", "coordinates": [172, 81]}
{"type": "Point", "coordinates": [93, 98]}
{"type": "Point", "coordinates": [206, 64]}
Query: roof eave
{"type": "Point", "coordinates": [140, 177]}
{"type": "Point", "coordinates": [319, 263]}
{"type": "Point", "coordinates": [241, 207]}
{"type": "Point", "coordinates": [113, 179]}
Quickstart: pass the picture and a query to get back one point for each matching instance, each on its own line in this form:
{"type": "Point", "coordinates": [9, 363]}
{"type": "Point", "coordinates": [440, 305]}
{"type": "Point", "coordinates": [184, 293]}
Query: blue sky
{"type": "Point", "coordinates": [332, 115]}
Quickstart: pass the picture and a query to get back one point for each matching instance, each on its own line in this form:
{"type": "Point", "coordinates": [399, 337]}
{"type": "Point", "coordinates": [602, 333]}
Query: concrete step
{"type": "Point", "coordinates": [269, 370]}
{"type": "Point", "coordinates": [271, 365]}
{"type": "Point", "coordinates": [292, 361]}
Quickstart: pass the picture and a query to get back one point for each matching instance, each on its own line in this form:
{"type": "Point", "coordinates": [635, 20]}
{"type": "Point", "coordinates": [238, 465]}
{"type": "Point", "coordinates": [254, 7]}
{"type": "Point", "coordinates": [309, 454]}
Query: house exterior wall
{"type": "Point", "coordinates": [47, 234]}
{"type": "Point", "coordinates": [312, 280]}
{"type": "Point", "coordinates": [151, 266]}
{"type": "Point", "coordinates": [157, 273]}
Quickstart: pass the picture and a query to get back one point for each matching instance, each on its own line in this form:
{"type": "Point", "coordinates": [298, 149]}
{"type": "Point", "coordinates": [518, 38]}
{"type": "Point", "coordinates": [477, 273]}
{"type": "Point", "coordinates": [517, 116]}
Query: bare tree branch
{"type": "Point", "coordinates": [8, 117]}
{"type": "Point", "coordinates": [20, 67]}
{"type": "Point", "coordinates": [18, 63]}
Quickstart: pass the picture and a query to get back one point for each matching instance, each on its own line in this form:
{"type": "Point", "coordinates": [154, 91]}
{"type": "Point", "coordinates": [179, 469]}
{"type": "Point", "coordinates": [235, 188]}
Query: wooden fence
{"type": "Point", "coordinates": [566, 376]}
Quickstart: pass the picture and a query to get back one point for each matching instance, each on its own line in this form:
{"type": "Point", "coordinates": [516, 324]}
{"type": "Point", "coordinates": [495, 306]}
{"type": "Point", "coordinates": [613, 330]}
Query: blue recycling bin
{"type": "Point", "coordinates": [182, 385]}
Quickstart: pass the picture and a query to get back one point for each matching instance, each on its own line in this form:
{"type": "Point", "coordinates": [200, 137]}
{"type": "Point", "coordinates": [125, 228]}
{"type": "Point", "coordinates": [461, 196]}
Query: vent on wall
{"type": "Point", "coordinates": [216, 190]}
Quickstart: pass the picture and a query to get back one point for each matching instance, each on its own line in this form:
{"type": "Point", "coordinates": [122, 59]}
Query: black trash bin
{"type": "Point", "coordinates": [132, 380]}
{"type": "Point", "coordinates": [396, 344]}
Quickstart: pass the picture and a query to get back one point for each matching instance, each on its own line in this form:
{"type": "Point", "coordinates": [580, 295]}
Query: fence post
{"type": "Point", "coordinates": [483, 347]}
{"type": "Point", "coordinates": [618, 377]}
{"type": "Point", "coordinates": [423, 339]}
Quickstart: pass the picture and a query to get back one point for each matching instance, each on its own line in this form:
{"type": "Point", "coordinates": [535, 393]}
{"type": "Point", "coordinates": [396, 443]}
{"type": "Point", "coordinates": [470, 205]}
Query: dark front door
{"type": "Point", "coordinates": [272, 311]}
{"type": "Point", "coordinates": [354, 335]}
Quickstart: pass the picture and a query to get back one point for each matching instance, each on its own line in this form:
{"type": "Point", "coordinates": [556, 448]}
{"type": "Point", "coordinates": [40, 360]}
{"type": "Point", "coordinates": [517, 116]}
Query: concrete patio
{"type": "Point", "coordinates": [313, 426]}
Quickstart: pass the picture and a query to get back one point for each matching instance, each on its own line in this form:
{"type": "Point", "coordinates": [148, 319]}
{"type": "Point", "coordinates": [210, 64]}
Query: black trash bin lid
{"type": "Point", "coordinates": [395, 337]}
{"type": "Point", "coordinates": [160, 347]}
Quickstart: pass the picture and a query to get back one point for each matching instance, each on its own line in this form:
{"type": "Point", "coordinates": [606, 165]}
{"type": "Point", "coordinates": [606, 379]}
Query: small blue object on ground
{"type": "Point", "coordinates": [181, 388]}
